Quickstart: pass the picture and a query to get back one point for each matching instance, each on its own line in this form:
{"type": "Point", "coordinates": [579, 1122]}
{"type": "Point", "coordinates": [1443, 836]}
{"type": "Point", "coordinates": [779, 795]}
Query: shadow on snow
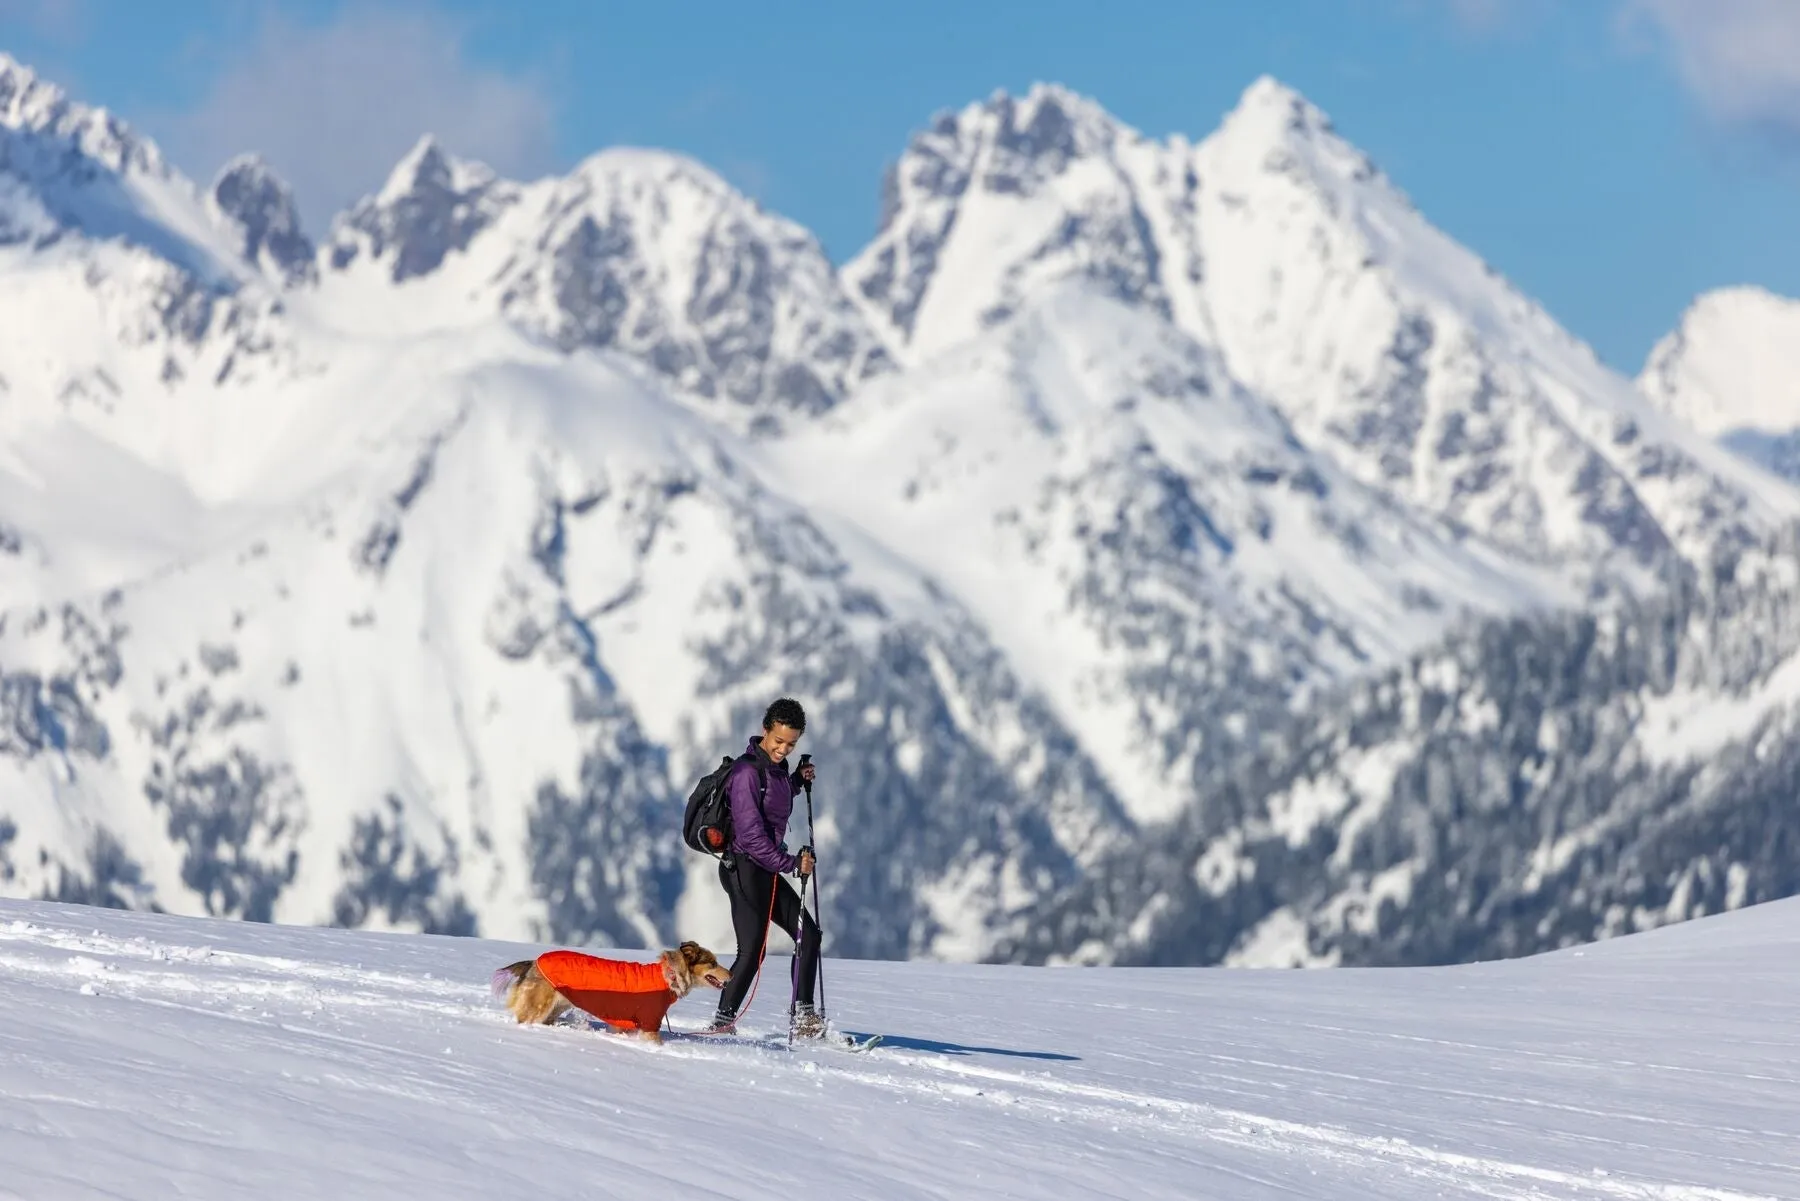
{"type": "Point", "coordinates": [942, 1048]}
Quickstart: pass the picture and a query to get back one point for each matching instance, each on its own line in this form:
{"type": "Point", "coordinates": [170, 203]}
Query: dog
{"type": "Point", "coordinates": [626, 995]}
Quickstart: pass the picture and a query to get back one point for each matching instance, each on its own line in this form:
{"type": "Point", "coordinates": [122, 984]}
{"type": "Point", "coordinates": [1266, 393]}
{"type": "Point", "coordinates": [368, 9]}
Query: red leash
{"type": "Point", "coordinates": [754, 983]}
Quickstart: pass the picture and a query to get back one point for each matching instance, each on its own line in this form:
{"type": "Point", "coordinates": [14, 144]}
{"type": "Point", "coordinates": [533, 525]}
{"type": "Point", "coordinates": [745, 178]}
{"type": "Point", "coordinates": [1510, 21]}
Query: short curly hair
{"type": "Point", "coordinates": [785, 712]}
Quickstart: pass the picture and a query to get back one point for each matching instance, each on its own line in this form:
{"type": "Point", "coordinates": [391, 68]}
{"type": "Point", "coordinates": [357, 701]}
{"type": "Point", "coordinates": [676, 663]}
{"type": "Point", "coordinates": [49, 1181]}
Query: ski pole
{"type": "Point", "coordinates": [800, 925]}
{"type": "Point", "coordinates": [818, 919]}
{"type": "Point", "coordinates": [799, 945]}
{"type": "Point", "coordinates": [794, 970]}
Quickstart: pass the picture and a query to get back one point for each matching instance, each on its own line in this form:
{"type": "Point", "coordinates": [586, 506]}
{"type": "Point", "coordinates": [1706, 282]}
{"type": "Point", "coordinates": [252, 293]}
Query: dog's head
{"type": "Point", "coordinates": [691, 964]}
{"type": "Point", "coordinates": [704, 965]}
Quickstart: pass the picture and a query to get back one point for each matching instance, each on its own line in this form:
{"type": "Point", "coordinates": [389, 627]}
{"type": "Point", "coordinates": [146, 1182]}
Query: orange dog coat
{"type": "Point", "coordinates": [625, 995]}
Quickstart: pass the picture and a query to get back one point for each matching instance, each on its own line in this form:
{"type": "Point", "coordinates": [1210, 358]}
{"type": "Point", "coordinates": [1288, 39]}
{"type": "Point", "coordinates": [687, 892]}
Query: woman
{"type": "Point", "coordinates": [761, 792]}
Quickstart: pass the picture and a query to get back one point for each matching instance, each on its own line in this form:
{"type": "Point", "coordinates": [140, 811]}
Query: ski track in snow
{"type": "Point", "coordinates": [141, 1039]}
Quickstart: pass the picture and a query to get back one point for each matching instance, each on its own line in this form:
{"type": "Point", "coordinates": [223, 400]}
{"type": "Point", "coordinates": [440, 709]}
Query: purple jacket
{"type": "Point", "coordinates": [757, 831]}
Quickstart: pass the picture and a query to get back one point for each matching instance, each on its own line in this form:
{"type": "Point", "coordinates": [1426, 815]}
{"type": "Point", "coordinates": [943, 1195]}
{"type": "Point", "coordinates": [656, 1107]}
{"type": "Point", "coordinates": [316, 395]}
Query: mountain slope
{"type": "Point", "coordinates": [1533, 783]}
{"type": "Point", "coordinates": [543, 596]}
{"type": "Point", "coordinates": [308, 1063]}
{"type": "Point", "coordinates": [1167, 564]}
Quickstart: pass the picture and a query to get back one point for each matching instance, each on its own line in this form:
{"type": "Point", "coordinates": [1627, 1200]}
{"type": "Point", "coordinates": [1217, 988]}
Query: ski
{"type": "Point", "coordinates": [852, 1043]}
{"type": "Point", "coordinates": [835, 1042]}
{"type": "Point", "coordinates": [849, 1043]}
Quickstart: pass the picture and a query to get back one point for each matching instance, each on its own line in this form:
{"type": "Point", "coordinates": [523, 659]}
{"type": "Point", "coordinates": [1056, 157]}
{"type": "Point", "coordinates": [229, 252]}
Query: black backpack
{"type": "Point", "coordinates": [707, 825]}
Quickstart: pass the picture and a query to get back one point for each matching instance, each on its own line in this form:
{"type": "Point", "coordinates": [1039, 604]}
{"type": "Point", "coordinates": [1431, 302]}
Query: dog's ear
{"type": "Point", "coordinates": [691, 952]}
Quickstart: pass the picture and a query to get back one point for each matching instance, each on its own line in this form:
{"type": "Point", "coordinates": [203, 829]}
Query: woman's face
{"type": "Point", "coordinates": [778, 740]}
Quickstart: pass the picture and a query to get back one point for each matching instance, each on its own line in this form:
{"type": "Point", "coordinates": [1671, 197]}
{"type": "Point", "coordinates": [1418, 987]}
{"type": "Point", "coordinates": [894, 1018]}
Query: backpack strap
{"type": "Point", "coordinates": [762, 792]}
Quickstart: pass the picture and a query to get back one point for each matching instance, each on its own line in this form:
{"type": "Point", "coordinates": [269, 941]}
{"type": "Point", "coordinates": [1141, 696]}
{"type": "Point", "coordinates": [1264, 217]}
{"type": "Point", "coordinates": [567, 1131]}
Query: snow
{"type": "Point", "coordinates": [136, 198]}
{"type": "Point", "coordinates": [1278, 941]}
{"type": "Point", "coordinates": [1276, 242]}
{"type": "Point", "coordinates": [1317, 263]}
{"type": "Point", "coordinates": [153, 1056]}
{"type": "Point", "coordinates": [959, 466]}
{"type": "Point", "coordinates": [1732, 364]}
{"type": "Point", "coordinates": [1689, 723]}
{"type": "Point", "coordinates": [398, 691]}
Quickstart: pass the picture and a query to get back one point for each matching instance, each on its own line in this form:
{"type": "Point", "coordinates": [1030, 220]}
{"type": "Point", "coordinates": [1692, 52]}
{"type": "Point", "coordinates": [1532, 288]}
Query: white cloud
{"type": "Point", "coordinates": [333, 107]}
{"type": "Point", "coordinates": [1741, 58]}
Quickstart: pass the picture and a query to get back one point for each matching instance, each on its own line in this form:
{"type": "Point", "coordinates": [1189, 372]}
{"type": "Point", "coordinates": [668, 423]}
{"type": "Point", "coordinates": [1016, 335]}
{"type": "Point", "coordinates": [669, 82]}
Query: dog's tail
{"type": "Point", "coordinates": [508, 976]}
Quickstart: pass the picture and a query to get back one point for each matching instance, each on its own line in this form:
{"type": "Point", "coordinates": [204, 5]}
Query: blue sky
{"type": "Point", "coordinates": [1612, 157]}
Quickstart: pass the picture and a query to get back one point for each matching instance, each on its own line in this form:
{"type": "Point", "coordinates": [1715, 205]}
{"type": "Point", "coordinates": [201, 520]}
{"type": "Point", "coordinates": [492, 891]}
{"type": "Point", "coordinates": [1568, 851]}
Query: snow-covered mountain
{"type": "Point", "coordinates": [434, 624]}
{"type": "Point", "coordinates": [1731, 369]}
{"type": "Point", "coordinates": [1526, 783]}
{"type": "Point", "coordinates": [1148, 541]}
{"type": "Point", "coordinates": [1534, 782]}
{"type": "Point", "coordinates": [1386, 344]}
{"type": "Point", "coordinates": [640, 251]}
{"type": "Point", "coordinates": [410, 577]}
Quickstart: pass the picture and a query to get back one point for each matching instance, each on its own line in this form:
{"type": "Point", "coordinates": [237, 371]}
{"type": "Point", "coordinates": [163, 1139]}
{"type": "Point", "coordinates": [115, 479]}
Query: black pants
{"type": "Point", "coordinates": [749, 887]}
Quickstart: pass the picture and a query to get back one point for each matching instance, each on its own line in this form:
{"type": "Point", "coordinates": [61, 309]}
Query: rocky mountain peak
{"type": "Point", "coordinates": [1016, 142]}
{"type": "Point", "coordinates": [32, 105]}
{"type": "Point", "coordinates": [1048, 127]}
{"type": "Point", "coordinates": [426, 170]}
{"type": "Point", "coordinates": [28, 101]}
{"type": "Point", "coordinates": [995, 198]}
{"type": "Point", "coordinates": [654, 254]}
{"type": "Point", "coordinates": [79, 171]}
{"type": "Point", "coordinates": [1271, 109]}
{"type": "Point", "coordinates": [259, 206]}
{"type": "Point", "coordinates": [431, 206]}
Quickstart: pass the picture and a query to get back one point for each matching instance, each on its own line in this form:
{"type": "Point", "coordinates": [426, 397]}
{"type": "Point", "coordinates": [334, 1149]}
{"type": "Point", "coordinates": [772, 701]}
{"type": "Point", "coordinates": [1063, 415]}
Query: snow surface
{"type": "Point", "coordinates": [136, 196]}
{"type": "Point", "coordinates": [1733, 364]}
{"type": "Point", "coordinates": [154, 1056]}
{"type": "Point", "coordinates": [1690, 723]}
